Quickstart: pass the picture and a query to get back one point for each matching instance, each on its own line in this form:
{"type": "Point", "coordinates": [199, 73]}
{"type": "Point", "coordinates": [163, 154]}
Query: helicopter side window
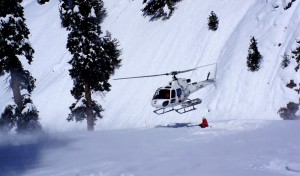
{"type": "Point", "coordinates": [179, 92]}
{"type": "Point", "coordinates": [173, 94]}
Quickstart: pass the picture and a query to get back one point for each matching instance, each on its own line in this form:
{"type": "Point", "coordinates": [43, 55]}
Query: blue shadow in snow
{"type": "Point", "coordinates": [177, 125]}
{"type": "Point", "coordinates": [16, 159]}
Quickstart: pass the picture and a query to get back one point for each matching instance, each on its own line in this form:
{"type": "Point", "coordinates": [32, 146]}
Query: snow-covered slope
{"type": "Point", "coordinates": [229, 148]}
{"type": "Point", "coordinates": [180, 43]}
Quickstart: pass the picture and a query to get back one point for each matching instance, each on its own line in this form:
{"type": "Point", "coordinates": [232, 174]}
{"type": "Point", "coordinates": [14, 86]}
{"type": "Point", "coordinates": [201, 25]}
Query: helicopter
{"type": "Point", "coordinates": [177, 92]}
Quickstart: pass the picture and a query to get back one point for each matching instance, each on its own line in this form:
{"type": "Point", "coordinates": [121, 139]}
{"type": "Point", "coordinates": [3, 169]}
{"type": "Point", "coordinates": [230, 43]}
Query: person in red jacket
{"type": "Point", "coordinates": [204, 123]}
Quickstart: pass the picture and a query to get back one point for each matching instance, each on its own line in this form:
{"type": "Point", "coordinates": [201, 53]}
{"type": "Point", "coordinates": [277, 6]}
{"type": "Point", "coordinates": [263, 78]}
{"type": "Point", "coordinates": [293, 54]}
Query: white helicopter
{"type": "Point", "coordinates": [177, 92]}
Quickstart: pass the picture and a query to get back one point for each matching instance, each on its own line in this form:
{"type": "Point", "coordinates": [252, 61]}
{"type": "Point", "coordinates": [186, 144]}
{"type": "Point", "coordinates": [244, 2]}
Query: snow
{"type": "Point", "coordinates": [6, 18]}
{"type": "Point", "coordinates": [247, 136]}
{"type": "Point", "coordinates": [29, 107]}
{"type": "Point", "coordinates": [93, 14]}
{"type": "Point", "coordinates": [231, 147]}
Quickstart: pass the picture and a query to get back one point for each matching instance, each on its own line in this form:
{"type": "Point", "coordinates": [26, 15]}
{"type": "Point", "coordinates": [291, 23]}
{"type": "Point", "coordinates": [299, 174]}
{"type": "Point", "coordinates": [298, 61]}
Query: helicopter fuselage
{"type": "Point", "coordinates": [176, 92]}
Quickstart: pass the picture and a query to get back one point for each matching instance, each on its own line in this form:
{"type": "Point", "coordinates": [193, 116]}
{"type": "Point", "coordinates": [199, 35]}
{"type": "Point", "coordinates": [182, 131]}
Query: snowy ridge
{"type": "Point", "coordinates": [183, 42]}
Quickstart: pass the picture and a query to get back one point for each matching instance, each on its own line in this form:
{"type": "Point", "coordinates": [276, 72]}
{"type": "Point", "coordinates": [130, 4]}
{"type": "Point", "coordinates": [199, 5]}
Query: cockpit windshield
{"type": "Point", "coordinates": [162, 94]}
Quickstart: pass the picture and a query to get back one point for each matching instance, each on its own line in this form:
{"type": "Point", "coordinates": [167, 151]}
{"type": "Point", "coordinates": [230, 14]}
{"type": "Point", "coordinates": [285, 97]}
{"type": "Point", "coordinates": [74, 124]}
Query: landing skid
{"type": "Point", "coordinates": [185, 107]}
{"type": "Point", "coordinates": [185, 110]}
{"type": "Point", "coordinates": [161, 111]}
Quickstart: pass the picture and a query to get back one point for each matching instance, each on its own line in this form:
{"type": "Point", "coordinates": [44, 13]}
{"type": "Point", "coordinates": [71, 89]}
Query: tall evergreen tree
{"type": "Point", "coordinates": [14, 44]}
{"type": "Point", "coordinates": [254, 57]}
{"type": "Point", "coordinates": [157, 9]}
{"type": "Point", "coordinates": [95, 57]}
{"type": "Point", "coordinates": [213, 21]}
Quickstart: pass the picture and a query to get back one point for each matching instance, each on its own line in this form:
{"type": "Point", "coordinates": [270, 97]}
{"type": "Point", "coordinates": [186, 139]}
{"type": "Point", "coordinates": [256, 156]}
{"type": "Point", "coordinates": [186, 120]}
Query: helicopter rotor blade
{"type": "Point", "coordinates": [184, 71]}
{"type": "Point", "coordinates": [165, 74]}
{"type": "Point", "coordinates": [205, 65]}
{"type": "Point", "coordinates": [141, 76]}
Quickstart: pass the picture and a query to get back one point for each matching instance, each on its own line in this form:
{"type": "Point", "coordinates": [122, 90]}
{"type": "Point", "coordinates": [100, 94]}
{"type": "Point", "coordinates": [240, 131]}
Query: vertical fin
{"type": "Point", "coordinates": [207, 75]}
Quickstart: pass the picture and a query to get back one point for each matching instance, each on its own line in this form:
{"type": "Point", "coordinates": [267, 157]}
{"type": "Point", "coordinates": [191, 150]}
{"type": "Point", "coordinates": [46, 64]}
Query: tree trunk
{"type": "Point", "coordinates": [90, 114]}
{"type": "Point", "coordinates": [15, 86]}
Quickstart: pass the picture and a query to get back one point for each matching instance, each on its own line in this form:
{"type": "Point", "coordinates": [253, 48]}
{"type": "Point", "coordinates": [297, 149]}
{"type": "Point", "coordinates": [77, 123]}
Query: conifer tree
{"type": "Point", "coordinates": [94, 56]}
{"type": "Point", "coordinates": [42, 1]}
{"type": "Point", "coordinates": [286, 61]}
{"type": "Point", "coordinates": [289, 112]}
{"type": "Point", "coordinates": [213, 21]}
{"type": "Point", "coordinates": [157, 9]}
{"type": "Point", "coordinates": [14, 45]}
{"type": "Point", "coordinates": [296, 56]}
{"type": "Point", "coordinates": [254, 57]}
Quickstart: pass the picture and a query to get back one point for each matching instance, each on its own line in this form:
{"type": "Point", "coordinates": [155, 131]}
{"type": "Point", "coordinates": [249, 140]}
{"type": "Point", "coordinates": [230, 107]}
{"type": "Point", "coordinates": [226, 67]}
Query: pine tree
{"type": "Point", "coordinates": [42, 1]}
{"type": "Point", "coordinates": [254, 57]}
{"type": "Point", "coordinates": [286, 61]}
{"type": "Point", "coordinates": [13, 44]}
{"type": "Point", "coordinates": [289, 112]}
{"type": "Point", "coordinates": [95, 57]}
{"type": "Point", "coordinates": [213, 21]}
{"type": "Point", "coordinates": [296, 56]}
{"type": "Point", "coordinates": [157, 9]}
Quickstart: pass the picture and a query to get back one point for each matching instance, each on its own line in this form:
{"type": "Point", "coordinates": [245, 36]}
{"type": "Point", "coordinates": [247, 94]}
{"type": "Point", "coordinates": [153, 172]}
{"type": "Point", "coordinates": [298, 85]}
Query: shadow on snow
{"type": "Point", "coordinates": [177, 125]}
{"type": "Point", "coordinates": [17, 159]}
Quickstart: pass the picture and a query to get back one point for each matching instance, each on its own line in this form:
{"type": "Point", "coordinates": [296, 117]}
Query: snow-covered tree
{"type": "Point", "coordinates": [14, 45]}
{"type": "Point", "coordinates": [213, 21]}
{"type": "Point", "coordinates": [288, 5]}
{"type": "Point", "coordinates": [286, 61]}
{"type": "Point", "coordinates": [95, 57]}
{"type": "Point", "coordinates": [296, 56]}
{"type": "Point", "coordinates": [254, 57]}
{"type": "Point", "coordinates": [42, 1]}
{"type": "Point", "coordinates": [159, 8]}
{"type": "Point", "coordinates": [289, 113]}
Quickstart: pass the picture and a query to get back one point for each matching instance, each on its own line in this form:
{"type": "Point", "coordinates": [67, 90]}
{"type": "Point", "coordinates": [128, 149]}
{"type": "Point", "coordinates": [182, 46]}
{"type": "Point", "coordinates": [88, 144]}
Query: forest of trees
{"type": "Point", "coordinates": [95, 58]}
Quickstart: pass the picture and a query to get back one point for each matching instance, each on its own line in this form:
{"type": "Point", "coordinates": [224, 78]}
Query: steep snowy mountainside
{"type": "Point", "coordinates": [180, 43]}
{"type": "Point", "coordinates": [258, 94]}
{"type": "Point", "coordinates": [184, 42]}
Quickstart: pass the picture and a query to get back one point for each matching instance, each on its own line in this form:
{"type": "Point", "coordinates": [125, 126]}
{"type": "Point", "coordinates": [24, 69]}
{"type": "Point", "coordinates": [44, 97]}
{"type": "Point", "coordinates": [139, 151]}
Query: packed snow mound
{"type": "Point", "coordinates": [153, 47]}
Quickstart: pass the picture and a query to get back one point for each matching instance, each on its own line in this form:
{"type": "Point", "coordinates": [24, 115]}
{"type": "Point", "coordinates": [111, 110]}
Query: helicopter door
{"type": "Point", "coordinates": [179, 93]}
{"type": "Point", "coordinates": [173, 96]}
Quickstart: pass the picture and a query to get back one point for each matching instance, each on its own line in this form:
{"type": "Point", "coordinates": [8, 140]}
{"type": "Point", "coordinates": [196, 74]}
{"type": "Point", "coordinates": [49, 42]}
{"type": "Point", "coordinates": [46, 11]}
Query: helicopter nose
{"type": "Point", "coordinates": [160, 103]}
